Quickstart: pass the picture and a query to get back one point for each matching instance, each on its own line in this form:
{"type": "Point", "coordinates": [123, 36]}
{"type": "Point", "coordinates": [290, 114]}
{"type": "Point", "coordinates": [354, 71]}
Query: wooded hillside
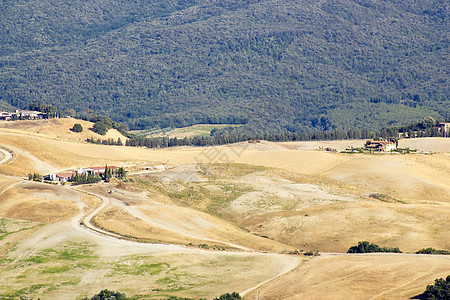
{"type": "Point", "coordinates": [274, 64]}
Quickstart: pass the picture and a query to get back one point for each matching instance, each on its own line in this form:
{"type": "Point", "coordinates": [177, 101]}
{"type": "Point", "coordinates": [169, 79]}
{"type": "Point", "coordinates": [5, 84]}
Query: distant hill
{"type": "Point", "coordinates": [271, 64]}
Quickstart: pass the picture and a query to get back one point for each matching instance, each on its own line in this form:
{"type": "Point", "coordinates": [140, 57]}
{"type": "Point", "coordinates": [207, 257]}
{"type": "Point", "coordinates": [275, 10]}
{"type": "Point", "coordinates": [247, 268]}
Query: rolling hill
{"type": "Point", "coordinates": [279, 65]}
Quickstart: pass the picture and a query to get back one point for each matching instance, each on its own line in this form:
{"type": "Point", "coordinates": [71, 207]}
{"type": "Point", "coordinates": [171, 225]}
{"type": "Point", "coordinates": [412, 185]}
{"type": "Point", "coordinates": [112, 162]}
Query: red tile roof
{"type": "Point", "coordinates": [102, 168]}
{"type": "Point", "coordinates": [64, 175]}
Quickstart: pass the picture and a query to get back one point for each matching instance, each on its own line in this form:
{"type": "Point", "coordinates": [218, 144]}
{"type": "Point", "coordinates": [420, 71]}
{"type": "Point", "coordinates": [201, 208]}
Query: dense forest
{"type": "Point", "coordinates": [278, 65]}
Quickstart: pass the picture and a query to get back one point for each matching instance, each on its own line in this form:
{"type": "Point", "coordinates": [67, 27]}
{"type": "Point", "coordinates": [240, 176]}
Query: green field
{"type": "Point", "coordinates": [190, 131]}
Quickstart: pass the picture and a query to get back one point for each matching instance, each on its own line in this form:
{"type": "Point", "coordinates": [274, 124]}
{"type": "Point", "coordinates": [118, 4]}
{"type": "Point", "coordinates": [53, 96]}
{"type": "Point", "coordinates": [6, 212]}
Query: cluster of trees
{"type": "Point", "coordinates": [109, 141]}
{"type": "Point", "coordinates": [35, 177]}
{"type": "Point", "coordinates": [296, 66]}
{"type": "Point", "coordinates": [424, 128]}
{"type": "Point", "coordinates": [433, 251]}
{"type": "Point", "coordinates": [108, 295]}
{"type": "Point", "coordinates": [103, 124]}
{"type": "Point", "coordinates": [77, 179]}
{"type": "Point", "coordinates": [366, 247]}
{"type": "Point", "coordinates": [440, 290]}
{"type": "Point", "coordinates": [119, 173]}
{"type": "Point", "coordinates": [229, 296]}
{"type": "Point", "coordinates": [51, 111]}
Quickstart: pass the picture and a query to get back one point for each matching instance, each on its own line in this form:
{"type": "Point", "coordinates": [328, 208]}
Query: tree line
{"type": "Point", "coordinates": [228, 135]}
{"type": "Point", "coordinates": [110, 141]}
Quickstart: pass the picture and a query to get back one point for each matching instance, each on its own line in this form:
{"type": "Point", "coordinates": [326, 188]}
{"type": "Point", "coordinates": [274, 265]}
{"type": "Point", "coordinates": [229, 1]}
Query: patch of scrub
{"type": "Point", "coordinates": [9, 226]}
{"type": "Point", "coordinates": [137, 265]}
{"type": "Point", "coordinates": [71, 251]}
{"type": "Point", "coordinates": [278, 194]}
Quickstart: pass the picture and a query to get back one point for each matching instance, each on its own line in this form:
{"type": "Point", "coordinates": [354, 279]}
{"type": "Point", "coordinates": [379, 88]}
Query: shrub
{"type": "Point", "coordinates": [77, 128]}
{"type": "Point", "coordinates": [366, 247]}
{"type": "Point", "coordinates": [439, 291]}
{"type": "Point", "coordinates": [433, 251]}
{"type": "Point", "coordinates": [108, 295]}
{"type": "Point", "coordinates": [101, 128]}
{"type": "Point", "coordinates": [228, 296]}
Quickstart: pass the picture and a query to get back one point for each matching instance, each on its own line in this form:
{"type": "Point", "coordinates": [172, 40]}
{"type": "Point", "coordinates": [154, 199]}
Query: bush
{"type": "Point", "coordinates": [101, 128]}
{"type": "Point", "coordinates": [77, 128]}
{"type": "Point", "coordinates": [366, 247]}
{"type": "Point", "coordinates": [439, 291]}
{"type": "Point", "coordinates": [228, 296]}
{"type": "Point", "coordinates": [433, 251]}
{"type": "Point", "coordinates": [108, 295]}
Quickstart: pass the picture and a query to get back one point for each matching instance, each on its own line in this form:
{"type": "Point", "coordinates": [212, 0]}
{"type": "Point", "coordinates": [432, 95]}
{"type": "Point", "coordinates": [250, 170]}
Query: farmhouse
{"type": "Point", "coordinates": [95, 170]}
{"type": "Point", "coordinates": [66, 176]}
{"type": "Point", "coordinates": [443, 127]}
{"type": "Point", "coordinates": [384, 146]}
{"type": "Point", "coordinates": [30, 114]}
{"type": "Point", "coordinates": [22, 114]}
{"type": "Point", "coordinates": [63, 177]}
{"type": "Point", "coordinates": [5, 116]}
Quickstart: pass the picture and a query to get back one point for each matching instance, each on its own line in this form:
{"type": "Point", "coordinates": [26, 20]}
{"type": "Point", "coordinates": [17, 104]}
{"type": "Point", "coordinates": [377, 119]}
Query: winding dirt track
{"type": "Point", "coordinates": [84, 222]}
{"type": "Point", "coordinates": [6, 156]}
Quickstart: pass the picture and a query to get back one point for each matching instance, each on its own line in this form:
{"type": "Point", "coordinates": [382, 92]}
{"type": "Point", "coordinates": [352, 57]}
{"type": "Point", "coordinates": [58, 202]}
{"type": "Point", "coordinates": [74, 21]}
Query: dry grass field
{"type": "Point", "coordinates": [357, 277]}
{"type": "Point", "coordinates": [59, 129]}
{"type": "Point", "coordinates": [218, 219]}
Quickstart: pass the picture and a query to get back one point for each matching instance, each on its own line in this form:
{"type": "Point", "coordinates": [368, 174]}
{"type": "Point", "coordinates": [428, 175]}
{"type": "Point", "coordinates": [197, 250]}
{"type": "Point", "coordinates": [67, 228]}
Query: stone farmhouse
{"type": "Point", "coordinates": [22, 114]}
{"type": "Point", "coordinates": [384, 146]}
{"type": "Point", "coordinates": [443, 127]}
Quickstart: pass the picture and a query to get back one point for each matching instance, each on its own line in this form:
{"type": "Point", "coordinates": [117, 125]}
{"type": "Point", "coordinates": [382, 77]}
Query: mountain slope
{"type": "Point", "coordinates": [293, 65]}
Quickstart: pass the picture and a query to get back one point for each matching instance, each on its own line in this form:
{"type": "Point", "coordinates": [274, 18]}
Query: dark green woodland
{"type": "Point", "coordinates": [273, 65]}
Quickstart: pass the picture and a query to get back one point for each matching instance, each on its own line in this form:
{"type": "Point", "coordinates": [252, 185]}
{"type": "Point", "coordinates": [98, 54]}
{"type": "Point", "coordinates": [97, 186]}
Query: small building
{"type": "Point", "coordinates": [5, 116]}
{"type": "Point", "coordinates": [97, 170]}
{"type": "Point", "coordinates": [66, 176]}
{"type": "Point", "coordinates": [385, 146]}
{"type": "Point", "coordinates": [443, 127]}
{"type": "Point", "coordinates": [29, 114]}
{"type": "Point", "coordinates": [62, 176]}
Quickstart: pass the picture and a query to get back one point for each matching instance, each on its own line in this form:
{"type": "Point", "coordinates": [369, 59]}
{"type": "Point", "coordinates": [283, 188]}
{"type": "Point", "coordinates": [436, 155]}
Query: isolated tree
{"type": "Point", "coordinates": [77, 128]}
